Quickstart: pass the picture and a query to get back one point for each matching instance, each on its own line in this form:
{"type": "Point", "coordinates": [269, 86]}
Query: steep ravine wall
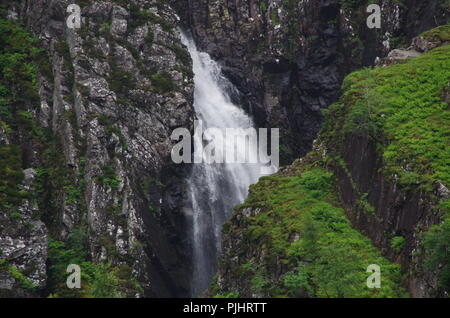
{"type": "Point", "coordinates": [401, 208]}
{"type": "Point", "coordinates": [288, 58]}
{"type": "Point", "coordinates": [388, 180]}
{"type": "Point", "coordinates": [398, 212]}
{"type": "Point", "coordinates": [116, 89]}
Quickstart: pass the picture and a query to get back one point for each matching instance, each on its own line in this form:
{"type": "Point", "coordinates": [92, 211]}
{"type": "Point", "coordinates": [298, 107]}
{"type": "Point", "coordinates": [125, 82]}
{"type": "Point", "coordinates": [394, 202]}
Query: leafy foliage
{"type": "Point", "coordinates": [20, 61]}
{"type": "Point", "coordinates": [97, 280]}
{"type": "Point", "coordinates": [402, 108]}
{"type": "Point", "coordinates": [441, 33]}
{"type": "Point", "coordinates": [398, 243]}
{"type": "Point", "coordinates": [327, 259]}
{"type": "Point", "coordinates": [437, 246]}
{"type": "Point", "coordinates": [19, 55]}
{"type": "Point", "coordinates": [162, 82]}
{"type": "Point", "coordinates": [18, 80]}
{"type": "Point", "coordinates": [109, 177]}
{"type": "Point", "coordinates": [23, 281]}
{"type": "Point", "coordinates": [11, 176]}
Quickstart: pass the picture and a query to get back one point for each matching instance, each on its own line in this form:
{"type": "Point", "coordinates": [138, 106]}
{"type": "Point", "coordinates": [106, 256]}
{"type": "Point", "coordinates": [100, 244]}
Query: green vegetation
{"type": "Point", "coordinates": [121, 82]}
{"type": "Point", "coordinates": [398, 243]}
{"type": "Point", "coordinates": [263, 6]}
{"type": "Point", "coordinates": [20, 61]}
{"type": "Point", "coordinates": [63, 50]}
{"type": "Point", "coordinates": [18, 80]}
{"type": "Point", "coordinates": [437, 245]}
{"type": "Point", "coordinates": [19, 55]}
{"type": "Point", "coordinates": [441, 33]}
{"type": "Point", "coordinates": [301, 229]}
{"type": "Point", "coordinates": [110, 129]}
{"type": "Point", "coordinates": [140, 17]}
{"type": "Point", "coordinates": [293, 27]}
{"type": "Point", "coordinates": [181, 54]}
{"type": "Point", "coordinates": [274, 17]}
{"type": "Point", "coordinates": [149, 38]}
{"type": "Point", "coordinates": [11, 176]}
{"type": "Point", "coordinates": [21, 279]}
{"type": "Point", "coordinates": [109, 177]}
{"type": "Point", "coordinates": [327, 259]}
{"type": "Point", "coordinates": [162, 82]}
{"type": "Point", "coordinates": [409, 125]}
{"type": "Point", "coordinates": [401, 108]}
{"type": "Point", "coordinates": [104, 280]}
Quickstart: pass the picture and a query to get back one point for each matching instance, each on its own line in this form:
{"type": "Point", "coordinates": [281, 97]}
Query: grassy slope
{"type": "Point", "coordinates": [329, 259]}
{"type": "Point", "coordinates": [402, 108]}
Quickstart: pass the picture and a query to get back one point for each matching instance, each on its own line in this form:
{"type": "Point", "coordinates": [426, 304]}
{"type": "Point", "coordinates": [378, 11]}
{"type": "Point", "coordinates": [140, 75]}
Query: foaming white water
{"type": "Point", "coordinates": [214, 189]}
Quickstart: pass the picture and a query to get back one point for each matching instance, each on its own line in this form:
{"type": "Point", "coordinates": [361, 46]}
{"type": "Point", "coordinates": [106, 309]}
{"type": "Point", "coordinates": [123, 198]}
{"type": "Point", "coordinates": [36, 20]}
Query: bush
{"type": "Point", "coordinates": [121, 82]}
{"type": "Point", "coordinates": [297, 281]}
{"type": "Point", "coordinates": [437, 245]}
{"type": "Point", "coordinates": [11, 176]}
{"type": "Point", "coordinates": [162, 82]}
{"type": "Point", "coordinates": [401, 106]}
{"type": "Point", "coordinates": [109, 177]}
{"type": "Point", "coordinates": [329, 259]}
{"type": "Point", "coordinates": [441, 33]}
{"type": "Point", "coordinates": [398, 243]}
{"type": "Point", "coordinates": [97, 280]}
{"type": "Point", "coordinates": [149, 38]}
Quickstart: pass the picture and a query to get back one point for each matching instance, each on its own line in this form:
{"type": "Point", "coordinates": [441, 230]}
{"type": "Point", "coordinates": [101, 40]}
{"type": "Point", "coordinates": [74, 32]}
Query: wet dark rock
{"type": "Point", "coordinates": [295, 54]}
{"type": "Point", "coordinates": [110, 116]}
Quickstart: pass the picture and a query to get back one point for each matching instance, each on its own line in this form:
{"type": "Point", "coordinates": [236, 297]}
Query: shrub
{"type": "Point", "coordinates": [437, 245]}
{"type": "Point", "coordinates": [297, 281]}
{"type": "Point", "coordinates": [121, 82]}
{"type": "Point", "coordinates": [11, 176]}
{"type": "Point", "coordinates": [149, 38]}
{"type": "Point", "coordinates": [162, 82]}
{"type": "Point", "coordinates": [97, 280]}
{"type": "Point", "coordinates": [109, 177]}
{"type": "Point", "coordinates": [441, 33]}
{"type": "Point", "coordinates": [398, 243]}
{"type": "Point", "coordinates": [402, 109]}
{"type": "Point", "coordinates": [329, 259]}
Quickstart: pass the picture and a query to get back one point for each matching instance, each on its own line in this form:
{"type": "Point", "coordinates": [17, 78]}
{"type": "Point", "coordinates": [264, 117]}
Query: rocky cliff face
{"type": "Point", "coordinates": [402, 209]}
{"type": "Point", "coordinates": [23, 242]}
{"type": "Point", "coordinates": [86, 163]}
{"type": "Point", "coordinates": [388, 178]}
{"type": "Point", "coordinates": [113, 92]}
{"type": "Point", "coordinates": [288, 58]}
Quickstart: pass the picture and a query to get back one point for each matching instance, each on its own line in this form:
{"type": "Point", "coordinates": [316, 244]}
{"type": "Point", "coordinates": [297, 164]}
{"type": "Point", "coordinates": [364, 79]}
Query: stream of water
{"type": "Point", "coordinates": [214, 189]}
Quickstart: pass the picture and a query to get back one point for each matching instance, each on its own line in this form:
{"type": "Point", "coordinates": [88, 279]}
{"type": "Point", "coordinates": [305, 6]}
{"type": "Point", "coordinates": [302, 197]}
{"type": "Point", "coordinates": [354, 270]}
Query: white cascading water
{"type": "Point", "coordinates": [214, 189]}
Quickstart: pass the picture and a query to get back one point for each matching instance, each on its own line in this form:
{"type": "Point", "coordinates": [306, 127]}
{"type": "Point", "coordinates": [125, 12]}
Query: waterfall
{"type": "Point", "coordinates": [214, 189]}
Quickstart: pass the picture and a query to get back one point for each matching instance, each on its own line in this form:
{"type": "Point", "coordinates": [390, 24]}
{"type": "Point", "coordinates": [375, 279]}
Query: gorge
{"type": "Point", "coordinates": [215, 188]}
{"type": "Point", "coordinates": [86, 174]}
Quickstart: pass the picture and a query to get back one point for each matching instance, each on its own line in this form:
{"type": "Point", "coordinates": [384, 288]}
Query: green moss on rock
{"type": "Point", "coordinates": [441, 33]}
{"type": "Point", "coordinates": [301, 231]}
{"type": "Point", "coordinates": [402, 108]}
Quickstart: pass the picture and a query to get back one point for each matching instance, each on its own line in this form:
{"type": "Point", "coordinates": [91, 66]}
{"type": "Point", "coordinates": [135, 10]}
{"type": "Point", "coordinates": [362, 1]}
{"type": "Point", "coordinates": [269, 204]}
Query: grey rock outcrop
{"type": "Point", "coordinates": [289, 58]}
{"type": "Point", "coordinates": [23, 245]}
{"type": "Point", "coordinates": [119, 85]}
